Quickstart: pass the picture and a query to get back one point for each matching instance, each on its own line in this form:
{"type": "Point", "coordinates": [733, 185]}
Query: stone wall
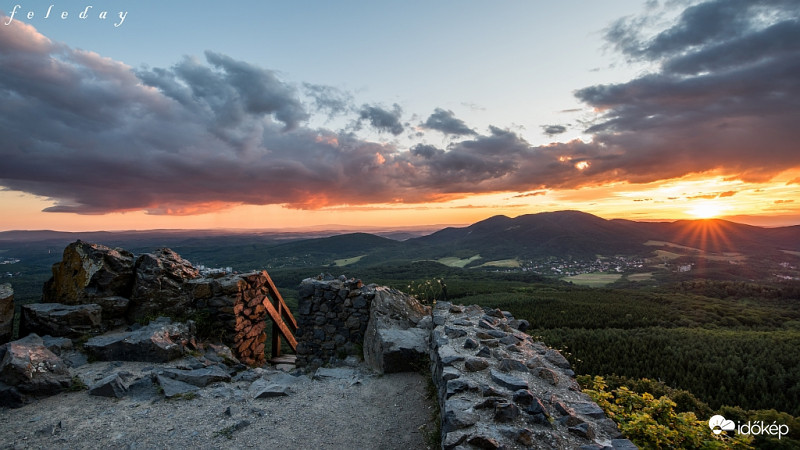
{"type": "Point", "coordinates": [332, 318]}
{"type": "Point", "coordinates": [6, 312]}
{"type": "Point", "coordinates": [235, 307]}
{"type": "Point", "coordinates": [498, 388]}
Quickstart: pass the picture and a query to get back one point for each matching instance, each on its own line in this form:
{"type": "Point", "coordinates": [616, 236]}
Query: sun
{"type": "Point", "coordinates": [706, 209]}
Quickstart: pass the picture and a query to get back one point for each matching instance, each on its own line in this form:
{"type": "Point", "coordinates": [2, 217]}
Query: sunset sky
{"type": "Point", "coordinates": [267, 114]}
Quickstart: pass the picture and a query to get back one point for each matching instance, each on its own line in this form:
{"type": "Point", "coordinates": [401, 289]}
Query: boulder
{"type": "Point", "coordinates": [198, 377]}
{"type": "Point", "coordinates": [115, 309]}
{"type": "Point", "coordinates": [160, 286]}
{"type": "Point", "coordinates": [393, 342]}
{"type": "Point", "coordinates": [115, 385]}
{"type": "Point", "coordinates": [6, 312]}
{"type": "Point", "coordinates": [57, 319]}
{"type": "Point", "coordinates": [161, 341]}
{"type": "Point", "coordinates": [88, 271]}
{"type": "Point", "coordinates": [29, 368]}
{"type": "Point", "coordinates": [174, 388]}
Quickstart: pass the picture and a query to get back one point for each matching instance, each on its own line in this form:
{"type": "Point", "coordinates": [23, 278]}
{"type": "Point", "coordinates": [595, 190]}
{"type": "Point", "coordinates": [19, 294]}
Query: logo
{"type": "Point", "coordinates": [718, 424]}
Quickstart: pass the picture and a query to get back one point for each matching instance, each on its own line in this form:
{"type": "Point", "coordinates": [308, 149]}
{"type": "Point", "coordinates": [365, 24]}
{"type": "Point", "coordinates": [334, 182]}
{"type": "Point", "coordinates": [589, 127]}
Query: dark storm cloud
{"type": "Point", "coordinates": [447, 122]}
{"type": "Point", "coordinates": [552, 130]}
{"type": "Point", "coordinates": [383, 119]}
{"type": "Point", "coordinates": [727, 90]}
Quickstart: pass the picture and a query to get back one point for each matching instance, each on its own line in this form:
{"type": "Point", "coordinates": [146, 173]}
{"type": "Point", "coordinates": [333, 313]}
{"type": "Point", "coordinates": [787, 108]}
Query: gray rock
{"type": "Point", "coordinates": [475, 364]}
{"type": "Point", "coordinates": [589, 409]}
{"type": "Point", "coordinates": [337, 373]}
{"type": "Point", "coordinates": [450, 373]}
{"type": "Point", "coordinates": [555, 357]}
{"type": "Point", "coordinates": [115, 308]}
{"type": "Point", "coordinates": [115, 385]}
{"type": "Point", "coordinates": [511, 365]}
{"type": "Point", "coordinates": [198, 377]}
{"type": "Point", "coordinates": [583, 430]}
{"type": "Point", "coordinates": [458, 414]}
{"type": "Point", "coordinates": [57, 319]}
{"type": "Point", "coordinates": [161, 341]}
{"type": "Point", "coordinates": [484, 352]}
{"type": "Point", "coordinates": [173, 388]}
{"type": "Point", "coordinates": [57, 345]}
{"type": "Point", "coordinates": [459, 385]}
{"type": "Point", "coordinates": [159, 286]}
{"type": "Point", "coordinates": [548, 375]}
{"type": "Point", "coordinates": [623, 444]}
{"type": "Point", "coordinates": [6, 312]}
{"type": "Point", "coordinates": [392, 342]}
{"type": "Point", "coordinates": [470, 343]}
{"type": "Point", "coordinates": [505, 412]}
{"type": "Point", "coordinates": [28, 366]}
{"type": "Point", "coordinates": [523, 397]}
{"type": "Point", "coordinates": [269, 390]}
{"type": "Point", "coordinates": [508, 381]}
{"type": "Point", "coordinates": [519, 324]}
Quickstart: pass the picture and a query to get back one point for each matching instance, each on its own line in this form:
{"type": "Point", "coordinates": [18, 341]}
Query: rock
{"type": "Point", "coordinates": [6, 312]}
{"type": "Point", "coordinates": [88, 271]}
{"type": "Point", "coordinates": [555, 357]}
{"type": "Point", "coordinates": [459, 385]}
{"type": "Point", "coordinates": [392, 342]}
{"type": "Point", "coordinates": [583, 430]}
{"type": "Point", "coordinates": [198, 377]}
{"type": "Point", "coordinates": [161, 341]}
{"type": "Point", "coordinates": [57, 345]}
{"type": "Point", "coordinates": [10, 397]}
{"type": "Point", "coordinates": [589, 409]}
{"type": "Point", "coordinates": [336, 373]}
{"type": "Point", "coordinates": [454, 333]}
{"type": "Point", "coordinates": [484, 442]}
{"type": "Point", "coordinates": [115, 385]}
{"type": "Point", "coordinates": [521, 325]}
{"type": "Point", "coordinates": [173, 388]}
{"type": "Point", "coordinates": [458, 414]}
{"type": "Point", "coordinates": [623, 444]}
{"type": "Point", "coordinates": [29, 367]}
{"type": "Point", "coordinates": [505, 412]}
{"type": "Point", "coordinates": [264, 389]}
{"type": "Point", "coordinates": [548, 375]}
{"type": "Point", "coordinates": [58, 319]}
{"type": "Point", "coordinates": [450, 373]}
{"type": "Point", "coordinates": [511, 365]}
{"type": "Point", "coordinates": [470, 343]}
{"type": "Point", "coordinates": [115, 308]}
{"type": "Point", "coordinates": [508, 381]}
{"type": "Point", "coordinates": [475, 364]}
{"type": "Point", "coordinates": [523, 397]}
{"type": "Point", "coordinates": [484, 352]}
{"type": "Point", "coordinates": [159, 285]}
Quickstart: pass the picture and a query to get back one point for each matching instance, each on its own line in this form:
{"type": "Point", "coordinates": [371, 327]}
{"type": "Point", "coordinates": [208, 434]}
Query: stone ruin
{"type": "Point", "coordinates": [497, 387]}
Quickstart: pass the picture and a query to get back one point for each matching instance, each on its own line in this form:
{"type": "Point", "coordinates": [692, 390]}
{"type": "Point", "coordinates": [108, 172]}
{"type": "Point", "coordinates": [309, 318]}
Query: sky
{"type": "Point", "coordinates": [137, 114]}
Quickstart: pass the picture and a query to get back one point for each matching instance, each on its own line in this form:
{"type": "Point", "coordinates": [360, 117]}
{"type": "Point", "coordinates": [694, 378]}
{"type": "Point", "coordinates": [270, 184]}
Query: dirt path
{"type": "Point", "coordinates": [386, 412]}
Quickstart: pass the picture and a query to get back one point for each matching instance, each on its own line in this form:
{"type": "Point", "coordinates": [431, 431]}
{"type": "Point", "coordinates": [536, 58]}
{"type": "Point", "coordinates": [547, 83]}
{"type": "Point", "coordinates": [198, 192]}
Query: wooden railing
{"type": "Point", "coordinates": [283, 322]}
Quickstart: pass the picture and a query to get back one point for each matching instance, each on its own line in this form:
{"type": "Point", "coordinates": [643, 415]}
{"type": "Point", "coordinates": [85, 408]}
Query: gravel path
{"type": "Point", "coordinates": [377, 412]}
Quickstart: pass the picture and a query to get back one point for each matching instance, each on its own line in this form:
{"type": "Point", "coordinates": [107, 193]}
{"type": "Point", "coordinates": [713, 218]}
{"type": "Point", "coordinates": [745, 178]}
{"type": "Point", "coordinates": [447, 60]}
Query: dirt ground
{"type": "Point", "coordinates": [374, 412]}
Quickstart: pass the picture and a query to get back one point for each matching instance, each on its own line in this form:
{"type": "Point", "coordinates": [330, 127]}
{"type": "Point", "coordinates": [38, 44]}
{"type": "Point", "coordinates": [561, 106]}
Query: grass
{"type": "Point", "coordinates": [640, 276]}
{"type": "Point", "coordinates": [509, 263]}
{"type": "Point", "coordinates": [597, 279]}
{"type": "Point", "coordinates": [453, 261]}
{"type": "Point", "coordinates": [347, 261]}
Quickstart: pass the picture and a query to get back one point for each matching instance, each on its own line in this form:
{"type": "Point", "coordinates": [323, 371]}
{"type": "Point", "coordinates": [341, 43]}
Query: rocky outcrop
{"type": "Point", "coordinates": [6, 312]}
{"type": "Point", "coordinates": [28, 369]}
{"type": "Point", "coordinates": [498, 388]}
{"type": "Point", "coordinates": [88, 271]}
{"type": "Point", "coordinates": [60, 320]}
{"type": "Point", "coordinates": [160, 285]}
{"type": "Point", "coordinates": [396, 339]}
{"type": "Point", "coordinates": [160, 341]}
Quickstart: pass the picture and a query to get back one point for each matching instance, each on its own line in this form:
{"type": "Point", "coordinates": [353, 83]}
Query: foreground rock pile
{"type": "Point", "coordinates": [500, 389]}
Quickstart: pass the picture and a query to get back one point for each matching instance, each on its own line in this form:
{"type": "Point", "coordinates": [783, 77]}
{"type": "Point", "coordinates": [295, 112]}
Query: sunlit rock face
{"type": "Point", "coordinates": [89, 271]}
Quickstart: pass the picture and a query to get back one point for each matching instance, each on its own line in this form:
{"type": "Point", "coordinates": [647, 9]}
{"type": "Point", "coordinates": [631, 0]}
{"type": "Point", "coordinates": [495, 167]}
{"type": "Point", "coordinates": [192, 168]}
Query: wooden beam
{"type": "Point", "coordinates": [284, 309]}
{"type": "Point", "coordinates": [277, 320]}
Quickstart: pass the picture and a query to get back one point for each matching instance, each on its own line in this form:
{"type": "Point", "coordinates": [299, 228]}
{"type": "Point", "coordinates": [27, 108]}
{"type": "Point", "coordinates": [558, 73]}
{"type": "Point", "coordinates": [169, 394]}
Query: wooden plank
{"type": "Point", "coordinates": [276, 339]}
{"type": "Point", "coordinates": [282, 327]}
{"type": "Point", "coordinates": [285, 312]}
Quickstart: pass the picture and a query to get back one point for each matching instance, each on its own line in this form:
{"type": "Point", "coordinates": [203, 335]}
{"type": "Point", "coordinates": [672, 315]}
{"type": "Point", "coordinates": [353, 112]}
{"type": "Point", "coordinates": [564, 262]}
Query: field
{"type": "Point", "coordinates": [347, 261]}
{"type": "Point", "coordinates": [453, 261]}
{"type": "Point", "coordinates": [640, 276]}
{"type": "Point", "coordinates": [503, 263]}
{"type": "Point", "coordinates": [597, 279]}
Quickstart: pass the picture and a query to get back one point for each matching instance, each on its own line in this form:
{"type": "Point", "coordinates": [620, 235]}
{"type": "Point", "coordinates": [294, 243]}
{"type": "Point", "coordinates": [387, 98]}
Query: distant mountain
{"type": "Point", "coordinates": [579, 234]}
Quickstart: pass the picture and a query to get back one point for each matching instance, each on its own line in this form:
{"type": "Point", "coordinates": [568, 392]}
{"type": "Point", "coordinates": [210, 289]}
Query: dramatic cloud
{"type": "Point", "coordinates": [725, 97]}
{"type": "Point", "coordinates": [552, 130]}
{"type": "Point", "coordinates": [96, 136]}
{"type": "Point", "coordinates": [447, 123]}
{"type": "Point", "coordinates": [383, 119]}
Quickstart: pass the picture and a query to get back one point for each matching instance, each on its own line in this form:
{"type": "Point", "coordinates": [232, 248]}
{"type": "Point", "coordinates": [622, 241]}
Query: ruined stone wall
{"type": "Point", "coordinates": [6, 312]}
{"type": "Point", "coordinates": [332, 318]}
{"type": "Point", "coordinates": [236, 314]}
